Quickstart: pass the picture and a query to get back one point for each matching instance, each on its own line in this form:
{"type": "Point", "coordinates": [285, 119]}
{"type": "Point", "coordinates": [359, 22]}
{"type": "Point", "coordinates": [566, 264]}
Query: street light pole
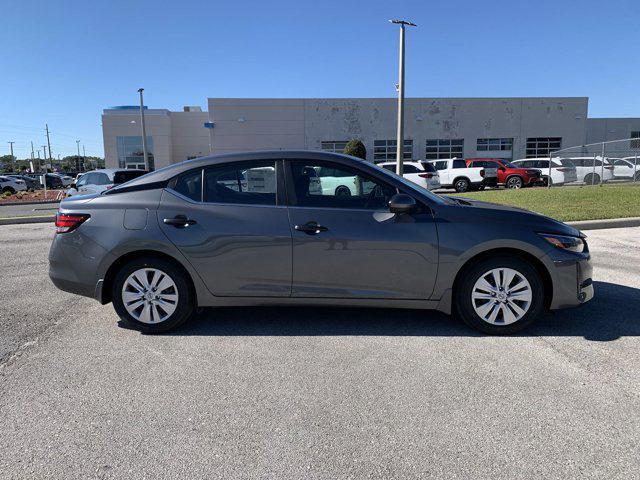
{"type": "Point", "coordinates": [144, 132]}
{"type": "Point", "coordinates": [400, 135]}
{"type": "Point", "coordinates": [11, 145]}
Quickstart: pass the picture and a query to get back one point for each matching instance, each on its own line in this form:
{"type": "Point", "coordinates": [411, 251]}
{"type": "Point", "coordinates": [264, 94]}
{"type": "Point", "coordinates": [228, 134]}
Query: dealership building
{"type": "Point", "coordinates": [508, 128]}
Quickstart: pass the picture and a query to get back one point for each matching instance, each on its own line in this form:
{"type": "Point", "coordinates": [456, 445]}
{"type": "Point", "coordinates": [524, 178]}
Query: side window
{"type": "Point", "coordinates": [82, 181]}
{"type": "Point", "coordinates": [337, 186]}
{"type": "Point", "coordinates": [188, 184]}
{"type": "Point", "coordinates": [102, 179]}
{"type": "Point", "coordinates": [441, 165]}
{"type": "Point", "coordinates": [411, 169]}
{"type": "Point", "coordinates": [459, 164]}
{"type": "Point", "coordinates": [242, 183]}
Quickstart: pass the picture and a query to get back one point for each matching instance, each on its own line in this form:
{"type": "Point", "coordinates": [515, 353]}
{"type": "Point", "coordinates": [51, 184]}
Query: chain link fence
{"type": "Point", "coordinates": [616, 161]}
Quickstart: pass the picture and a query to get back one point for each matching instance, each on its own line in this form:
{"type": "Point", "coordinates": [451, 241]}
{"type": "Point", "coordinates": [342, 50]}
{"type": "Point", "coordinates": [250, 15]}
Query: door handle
{"type": "Point", "coordinates": [179, 221]}
{"type": "Point", "coordinates": [311, 228]}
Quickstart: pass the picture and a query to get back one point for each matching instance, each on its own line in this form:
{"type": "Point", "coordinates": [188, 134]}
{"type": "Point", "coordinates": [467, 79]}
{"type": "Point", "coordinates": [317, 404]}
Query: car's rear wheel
{"type": "Point", "coordinates": [592, 179]}
{"type": "Point", "coordinates": [514, 182]}
{"type": "Point", "coordinates": [8, 190]}
{"type": "Point", "coordinates": [343, 191]}
{"type": "Point", "coordinates": [500, 295]}
{"type": "Point", "coordinates": [461, 185]}
{"type": "Point", "coordinates": [152, 295]}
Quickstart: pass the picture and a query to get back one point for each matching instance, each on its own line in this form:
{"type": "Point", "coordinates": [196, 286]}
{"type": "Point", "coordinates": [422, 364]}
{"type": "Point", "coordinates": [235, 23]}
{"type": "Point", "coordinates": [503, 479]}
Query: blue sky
{"type": "Point", "coordinates": [63, 62]}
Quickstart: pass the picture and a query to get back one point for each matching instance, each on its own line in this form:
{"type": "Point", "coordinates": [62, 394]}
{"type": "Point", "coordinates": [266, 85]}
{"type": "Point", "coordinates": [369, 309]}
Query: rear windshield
{"type": "Point", "coordinates": [428, 167]}
{"type": "Point", "coordinates": [124, 176]}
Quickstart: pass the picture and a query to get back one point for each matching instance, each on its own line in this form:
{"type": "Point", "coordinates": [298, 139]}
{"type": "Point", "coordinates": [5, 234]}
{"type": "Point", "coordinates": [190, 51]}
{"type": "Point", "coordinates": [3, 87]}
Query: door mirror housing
{"type": "Point", "coordinates": [402, 203]}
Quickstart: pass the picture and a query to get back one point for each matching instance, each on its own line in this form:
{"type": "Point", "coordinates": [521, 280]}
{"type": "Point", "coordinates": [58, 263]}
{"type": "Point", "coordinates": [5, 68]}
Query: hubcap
{"type": "Point", "coordinates": [150, 295]}
{"type": "Point", "coordinates": [501, 296]}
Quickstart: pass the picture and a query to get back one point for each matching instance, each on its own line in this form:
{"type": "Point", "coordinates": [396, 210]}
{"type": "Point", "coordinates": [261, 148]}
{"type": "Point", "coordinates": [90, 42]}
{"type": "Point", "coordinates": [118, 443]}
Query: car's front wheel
{"type": "Point", "coordinates": [152, 295]}
{"type": "Point", "coordinates": [514, 182]}
{"type": "Point", "coordinates": [500, 295]}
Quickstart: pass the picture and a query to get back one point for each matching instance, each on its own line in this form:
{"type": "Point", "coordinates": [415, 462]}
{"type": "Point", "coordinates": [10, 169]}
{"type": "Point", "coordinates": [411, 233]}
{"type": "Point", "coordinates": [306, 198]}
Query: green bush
{"type": "Point", "coordinates": [355, 148]}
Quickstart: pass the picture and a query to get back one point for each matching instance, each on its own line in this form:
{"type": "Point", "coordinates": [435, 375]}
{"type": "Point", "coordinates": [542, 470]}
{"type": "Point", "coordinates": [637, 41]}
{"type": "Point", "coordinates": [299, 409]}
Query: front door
{"type": "Point", "coordinates": [231, 228]}
{"type": "Point", "coordinates": [348, 245]}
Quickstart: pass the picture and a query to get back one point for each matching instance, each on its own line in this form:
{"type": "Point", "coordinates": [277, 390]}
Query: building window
{"type": "Point", "coordinates": [130, 153]}
{"type": "Point", "coordinates": [635, 143]}
{"type": "Point", "coordinates": [386, 149]}
{"type": "Point", "coordinates": [494, 144]}
{"type": "Point", "coordinates": [442, 148]}
{"type": "Point", "coordinates": [543, 146]}
{"type": "Point", "coordinates": [333, 146]}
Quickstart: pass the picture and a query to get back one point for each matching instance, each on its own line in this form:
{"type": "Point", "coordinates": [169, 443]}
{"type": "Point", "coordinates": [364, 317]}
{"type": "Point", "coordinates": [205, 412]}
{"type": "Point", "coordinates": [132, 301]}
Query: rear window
{"type": "Point", "coordinates": [428, 167]}
{"type": "Point", "coordinates": [126, 175]}
{"type": "Point", "coordinates": [459, 164]}
{"type": "Point", "coordinates": [411, 169]}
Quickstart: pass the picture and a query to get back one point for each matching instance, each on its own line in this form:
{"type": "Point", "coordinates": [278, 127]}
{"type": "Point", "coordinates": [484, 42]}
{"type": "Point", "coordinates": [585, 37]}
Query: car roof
{"type": "Point", "coordinates": [166, 173]}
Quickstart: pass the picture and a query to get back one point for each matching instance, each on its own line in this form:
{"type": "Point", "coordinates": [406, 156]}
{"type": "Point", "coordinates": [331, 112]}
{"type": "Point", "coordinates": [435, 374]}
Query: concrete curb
{"type": "Point", "coordinates": [22, 220]}
{"type": "Point", "coordinates": [608, 223]}
{"type": "Point", "coordinates": [42, 202]}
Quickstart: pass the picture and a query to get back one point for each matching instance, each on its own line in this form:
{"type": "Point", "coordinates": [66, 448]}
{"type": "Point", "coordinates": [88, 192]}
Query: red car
{"type": "Point", "coordinates": [509, 175]}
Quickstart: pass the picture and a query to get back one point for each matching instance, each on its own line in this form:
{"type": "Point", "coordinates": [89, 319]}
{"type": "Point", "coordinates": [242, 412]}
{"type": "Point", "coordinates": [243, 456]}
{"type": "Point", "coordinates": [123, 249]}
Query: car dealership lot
{"type": "Point", "coordinates": [320, 393]}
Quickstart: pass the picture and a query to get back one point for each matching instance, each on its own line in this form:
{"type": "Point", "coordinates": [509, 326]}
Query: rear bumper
{"type": "Point", "coordinates": [74, 261]}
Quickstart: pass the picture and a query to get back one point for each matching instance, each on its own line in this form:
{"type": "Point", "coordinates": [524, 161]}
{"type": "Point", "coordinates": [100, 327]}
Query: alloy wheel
{"type": "Point", "coordinates": [150, 295]}
{"type": "Point", "coordinates": [501, 296]}
{"type": "Point", "coordinates": [514, 182]}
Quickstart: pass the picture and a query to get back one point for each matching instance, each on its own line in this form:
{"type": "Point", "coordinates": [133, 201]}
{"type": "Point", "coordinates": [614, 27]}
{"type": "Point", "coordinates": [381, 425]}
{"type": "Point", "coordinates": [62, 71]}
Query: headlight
{"type": "Point", "coordinates": [564, 242]}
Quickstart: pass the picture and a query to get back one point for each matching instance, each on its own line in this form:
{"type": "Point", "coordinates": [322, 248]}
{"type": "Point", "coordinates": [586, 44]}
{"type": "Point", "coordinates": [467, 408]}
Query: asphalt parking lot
{"type": "Point", "coordinates": [316, 393]}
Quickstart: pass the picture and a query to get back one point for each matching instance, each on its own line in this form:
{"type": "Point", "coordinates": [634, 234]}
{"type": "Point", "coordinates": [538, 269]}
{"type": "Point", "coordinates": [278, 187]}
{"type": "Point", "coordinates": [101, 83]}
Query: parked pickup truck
{"type": "Point", "coordinates": [454, 173]}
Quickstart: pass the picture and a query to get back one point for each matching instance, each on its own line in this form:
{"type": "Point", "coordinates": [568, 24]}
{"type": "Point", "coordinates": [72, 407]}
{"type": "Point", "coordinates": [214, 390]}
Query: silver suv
{"type": "Point", "coordinates": [255, 229]}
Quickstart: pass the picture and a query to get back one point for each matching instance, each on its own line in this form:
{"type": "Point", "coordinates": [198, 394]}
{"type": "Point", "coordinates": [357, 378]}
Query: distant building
{"type": "Point", "coordinates": [434, 128]}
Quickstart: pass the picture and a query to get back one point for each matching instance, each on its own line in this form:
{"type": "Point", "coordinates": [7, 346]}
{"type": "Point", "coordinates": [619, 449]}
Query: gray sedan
{"type": "Point", "coordinates": [277, 228]}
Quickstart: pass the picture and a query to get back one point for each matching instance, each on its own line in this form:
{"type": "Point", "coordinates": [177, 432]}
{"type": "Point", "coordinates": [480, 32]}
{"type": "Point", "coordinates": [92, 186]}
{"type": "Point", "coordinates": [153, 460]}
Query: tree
{"type": "Point", "coordinates": [6, 162]}
{"type": "Point", "coordinates": [355, 148]}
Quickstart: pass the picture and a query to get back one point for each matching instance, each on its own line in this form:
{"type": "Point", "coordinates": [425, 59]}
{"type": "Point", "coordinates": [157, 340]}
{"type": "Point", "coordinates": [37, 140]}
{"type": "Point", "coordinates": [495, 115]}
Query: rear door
{"type": "Point", "coordinates": [229, 221]}
{"type": "Point", "coordinates": [350, 246]}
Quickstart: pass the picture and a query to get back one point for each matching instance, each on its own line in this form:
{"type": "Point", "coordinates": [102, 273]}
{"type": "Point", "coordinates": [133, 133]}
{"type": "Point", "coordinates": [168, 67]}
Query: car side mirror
{"type": "Point", "coordinates": [402, 203]}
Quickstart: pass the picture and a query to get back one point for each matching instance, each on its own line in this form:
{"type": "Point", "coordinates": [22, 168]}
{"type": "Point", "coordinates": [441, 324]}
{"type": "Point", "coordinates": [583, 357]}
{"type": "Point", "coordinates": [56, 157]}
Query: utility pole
{"type": "Point", "coordinates": [12, 157]}
{"type": "Point", "coordinates": [84, 158]}
{"type": "Point", "coordinates": [44, 175]}
{"type": "Point", "coordinates": [48, 141]}
{"type": "Point", "coordinates": [144, 132]}
{"type": "Point", "coordinates": [78, 157]}
{"type": "Point", "coordinates": [400, 136]}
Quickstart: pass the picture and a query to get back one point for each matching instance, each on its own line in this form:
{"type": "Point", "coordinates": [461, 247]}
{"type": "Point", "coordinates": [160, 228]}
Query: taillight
{"type": "Point", "coordinates": [426, 175]}
{"type": "Point", "coordinates": [67, 222]}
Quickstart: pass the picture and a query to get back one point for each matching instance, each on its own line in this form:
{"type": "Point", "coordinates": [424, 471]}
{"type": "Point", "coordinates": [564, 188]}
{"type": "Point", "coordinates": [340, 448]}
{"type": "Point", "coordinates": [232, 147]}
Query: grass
{"type": "Point", "coordinates": [570, 203]}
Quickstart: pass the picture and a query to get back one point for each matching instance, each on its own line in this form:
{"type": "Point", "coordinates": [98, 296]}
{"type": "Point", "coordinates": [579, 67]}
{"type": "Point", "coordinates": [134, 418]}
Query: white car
{"type": "Point", "coordinates": [454, 173]}
{"type": "Point", "coordinates": [590, 170]}
{"type": "Point", "coordinates": [12, 185]}
{"type": "Point", "coordinates": [562, 170]}
{"type": "Point", "coordinates": [97, 181]}
{"type": "Point", "coordinates": [338, 183]}
{"type": "Point", "coordinates": [626, 168]}
{"type": "Point", "coordinates": [423, 174]}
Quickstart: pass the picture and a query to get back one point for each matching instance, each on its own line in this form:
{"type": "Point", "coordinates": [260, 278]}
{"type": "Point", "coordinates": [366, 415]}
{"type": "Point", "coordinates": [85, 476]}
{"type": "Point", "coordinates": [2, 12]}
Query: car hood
{"type": "Point", "coordinates": [505, 213]}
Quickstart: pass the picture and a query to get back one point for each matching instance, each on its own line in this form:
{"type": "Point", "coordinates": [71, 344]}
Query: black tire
{"type": "Point", "coordinates": [547, 182]}
{"type": "Point", "coordinates": [185, 303]}
{"type": "Point", "coordinates": [514, 182]}
{"type": "Point", "coordinates": [8, 190]}
{"type": "Point", "coordinates": [343, 191]}
{"type": "Point", "coordinates": [592, 179]}
{"type": "Point", "coordinates": [461, 185]}
{"type": "Point", "coordinates": [463, 301]}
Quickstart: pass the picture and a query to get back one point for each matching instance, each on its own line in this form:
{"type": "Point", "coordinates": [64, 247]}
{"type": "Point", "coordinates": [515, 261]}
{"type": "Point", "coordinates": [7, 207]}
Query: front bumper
{"type": "Point", "coordinates": [573, 283]}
